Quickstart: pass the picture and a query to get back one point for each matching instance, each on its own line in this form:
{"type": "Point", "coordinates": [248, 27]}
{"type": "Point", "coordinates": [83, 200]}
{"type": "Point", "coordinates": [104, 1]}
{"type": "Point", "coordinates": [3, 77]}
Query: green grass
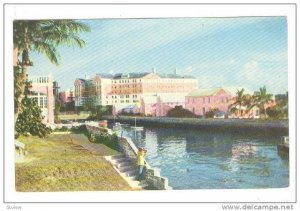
{"type": "Point", "coordinates": [56, 164]}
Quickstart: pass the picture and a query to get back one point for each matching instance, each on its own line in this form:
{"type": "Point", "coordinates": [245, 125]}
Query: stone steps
{"type": "Point", "coordinates": [127, 169]}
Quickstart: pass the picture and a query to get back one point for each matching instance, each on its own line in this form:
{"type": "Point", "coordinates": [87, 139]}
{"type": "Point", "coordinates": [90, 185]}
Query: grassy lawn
{"type": "Point", "coordinates": [56, 164]}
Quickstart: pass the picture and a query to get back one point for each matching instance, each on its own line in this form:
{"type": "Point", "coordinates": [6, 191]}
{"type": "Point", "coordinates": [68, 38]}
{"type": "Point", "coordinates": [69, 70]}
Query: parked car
{"type": "Point", "coordinates": [219, 115]}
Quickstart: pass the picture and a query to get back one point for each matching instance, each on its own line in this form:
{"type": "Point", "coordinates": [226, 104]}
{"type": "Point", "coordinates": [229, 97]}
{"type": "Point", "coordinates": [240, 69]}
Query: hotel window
{"type": "Point", "coordinates": [45, 102]}
{"type": "Point", "coordinates": [41, 102]}
{"type": "Point", "coordinates": [127, 101]}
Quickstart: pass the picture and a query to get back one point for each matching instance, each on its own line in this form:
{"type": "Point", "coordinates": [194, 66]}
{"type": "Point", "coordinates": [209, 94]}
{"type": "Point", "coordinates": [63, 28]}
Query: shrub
{"type": "Point", "coordinates": [110, 141]}
{"type": "Point", "coordinates": [62, 129]}
{"type": "Point", "coordinates": [30, 120]}
{"type": "Point", "coordinates": [211, 113]}
{"type": "Point", "coordinates": [178, 111]}
{"type": "Point", "coordinates": [80, 129]}
{"type": "Point", "coordinates": [277, 112]}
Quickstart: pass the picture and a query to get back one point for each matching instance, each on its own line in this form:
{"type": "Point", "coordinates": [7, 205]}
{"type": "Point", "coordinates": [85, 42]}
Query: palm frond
{"type": "Point", "coordinates": [49, 50]}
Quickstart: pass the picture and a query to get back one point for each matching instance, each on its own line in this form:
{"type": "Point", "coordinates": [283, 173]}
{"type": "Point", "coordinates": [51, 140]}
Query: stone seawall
{"type": "Point", "coordinates": [128, 148]}
{"type": "Point", "coordinates": [238, 125]}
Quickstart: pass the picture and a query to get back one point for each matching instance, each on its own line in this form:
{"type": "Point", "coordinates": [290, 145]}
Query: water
{"type": "Point", "coordinates": [195, 159]}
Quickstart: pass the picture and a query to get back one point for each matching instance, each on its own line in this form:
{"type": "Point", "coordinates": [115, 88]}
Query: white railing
{"type": "Point", "coordinates": [39, 79]}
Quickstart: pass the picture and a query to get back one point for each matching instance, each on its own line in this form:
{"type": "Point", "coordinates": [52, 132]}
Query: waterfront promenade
{"type": "Point", "coordinates": [220, 124]}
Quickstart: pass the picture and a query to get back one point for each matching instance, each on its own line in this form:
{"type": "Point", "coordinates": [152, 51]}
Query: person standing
{"type": "Point", "coordinates": [141, 161]}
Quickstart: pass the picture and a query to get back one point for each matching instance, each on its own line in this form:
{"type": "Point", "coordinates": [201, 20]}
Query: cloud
{"type": "Point", "coordinates": [254, 76]}
{"type": "Point", "coordinates": [277, 56]}
{"type": "Point", "coordinates": [251, 72]}
{"type": "Point", "coordinates": [135, 36]}
{"type": "Point", "coordinates": [118, 45]}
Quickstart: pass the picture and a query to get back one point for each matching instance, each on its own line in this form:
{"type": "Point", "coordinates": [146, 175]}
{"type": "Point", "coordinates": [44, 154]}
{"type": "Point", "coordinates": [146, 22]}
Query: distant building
{"type": "Point", "coordinates": [201, 101]}
{"type": "Point", "coordinates": [103, 87]}
{"type": "Point", "coordinates": [66, 96]}
{"type": "Point", "coordinates": [143, 90]}
{"type": "Point", "coordinates": [81, 91]}
{"type": "Point", "coordinates": [42, 92]}
{"type": "Point", "coordinates": [97, 88]}
{"type": "Point", "coordinates": [55, 89]}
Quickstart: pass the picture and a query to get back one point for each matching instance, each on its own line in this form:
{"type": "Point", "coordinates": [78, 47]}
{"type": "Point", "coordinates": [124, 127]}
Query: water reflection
{"type": "Point", "coordinates": [195, 159]}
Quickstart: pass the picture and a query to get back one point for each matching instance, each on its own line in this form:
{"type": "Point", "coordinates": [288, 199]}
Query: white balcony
{"type": "Point", "coordinates": [40, 79]}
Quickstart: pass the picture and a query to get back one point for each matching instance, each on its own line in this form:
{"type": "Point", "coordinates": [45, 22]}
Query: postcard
{"type": "Point", "coordinates": [143, 103]}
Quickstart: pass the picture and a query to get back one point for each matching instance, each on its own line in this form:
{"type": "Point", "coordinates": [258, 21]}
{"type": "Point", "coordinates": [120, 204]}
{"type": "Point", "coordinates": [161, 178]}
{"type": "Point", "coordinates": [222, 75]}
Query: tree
{"type": "Point", "coordinates": [31, 119]}
{"type": "Point", "coordinates": [262, 98]}
{"type": "Point", "coordinates": [178, 111]}
{"type": "Point", "coordinates": [239, 101]}
{"type": "Point", "coordinates": [211, 113]}
{"type": "Point", "coordinates": [57, 109]}
{"type": "Point", "coordinates": [43, 36]}
{"type": "Point", "coordinates": [280, 110]}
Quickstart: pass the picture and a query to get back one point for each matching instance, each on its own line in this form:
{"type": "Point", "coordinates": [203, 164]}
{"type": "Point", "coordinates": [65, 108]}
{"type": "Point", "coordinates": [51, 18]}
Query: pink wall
{"type": "Point", "coordinates": [65, 97]}
{"type": "Point", "coordinates": [46, 88]}
{"type": "Point", "coordinates": [159, 108]}
{"type": "Point", "coordinates": [201, 105]}
{"type": "Point", "coordinates": [15, 57]}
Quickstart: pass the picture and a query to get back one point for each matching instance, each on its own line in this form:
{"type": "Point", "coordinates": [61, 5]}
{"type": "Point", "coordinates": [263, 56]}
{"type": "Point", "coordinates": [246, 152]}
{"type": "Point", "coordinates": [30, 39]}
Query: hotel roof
{"type": "Point", "coordinates": [105, 75]}
{"type": "Point", "coordinates": [141, 75]}
{"type": "Point", "coordinates": [129, 75]}
{"type": "Point", "coordinates": [205, 92]}
{"type": "Point", "coordinates": [213, 91]}
{"type": "Point", "coordinates": [175, 76]}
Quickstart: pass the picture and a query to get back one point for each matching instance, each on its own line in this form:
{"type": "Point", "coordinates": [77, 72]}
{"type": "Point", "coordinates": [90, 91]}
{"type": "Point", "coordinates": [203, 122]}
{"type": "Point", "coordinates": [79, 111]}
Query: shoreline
{"type": "Point", "coordinates": [234, 125]}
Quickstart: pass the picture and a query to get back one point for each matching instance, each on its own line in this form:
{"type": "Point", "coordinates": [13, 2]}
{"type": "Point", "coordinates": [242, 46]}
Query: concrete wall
{"type": "Point", "coordinates": [240, 125]}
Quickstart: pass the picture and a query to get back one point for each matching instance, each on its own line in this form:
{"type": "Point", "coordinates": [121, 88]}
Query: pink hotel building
{"type": "Point", "coordinates": [42, 92]}
{"type": "Point", "coordinates": [155, 94]}
{"type": "Point", "coordinates": [150, 93]}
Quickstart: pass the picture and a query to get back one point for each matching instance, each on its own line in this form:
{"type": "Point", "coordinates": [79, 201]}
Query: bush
{"type": "Point", "coordinates": [30, 120]}
{"type": "Point", "coordinates": [277, 112]}
{"type": "Point", "coordinates": [123, 113]}
{"type": "Point", "coordinates": [178, 111]}
{"type": "Point", "coordinates": [80, 129]}
{"type": "Point", "coordinates": [110, 141]}
{"type": "Point", "coordinates": [211, 113]}
{"type": "Point", "coordinates": [62, 129]}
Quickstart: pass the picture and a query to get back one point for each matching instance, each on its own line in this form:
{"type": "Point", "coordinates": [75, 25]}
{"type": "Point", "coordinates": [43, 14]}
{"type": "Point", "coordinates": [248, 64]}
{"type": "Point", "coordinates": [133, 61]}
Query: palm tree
{"type": "Point", "coordinates": [43, 36]}
{"type": "Point", "coordinates": [262, 98]}
{"type": "Point", "coordinates": [239, 100]}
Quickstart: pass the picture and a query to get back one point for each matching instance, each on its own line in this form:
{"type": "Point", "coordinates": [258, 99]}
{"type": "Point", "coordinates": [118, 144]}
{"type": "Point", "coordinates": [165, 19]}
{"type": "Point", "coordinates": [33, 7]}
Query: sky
{"type": "Point", "coordinates": [246, 52]}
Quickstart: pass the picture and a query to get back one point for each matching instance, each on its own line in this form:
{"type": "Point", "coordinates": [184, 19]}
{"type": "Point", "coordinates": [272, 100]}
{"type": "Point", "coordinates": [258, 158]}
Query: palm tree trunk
{"type": "Point", "coordinates": [22, 85]}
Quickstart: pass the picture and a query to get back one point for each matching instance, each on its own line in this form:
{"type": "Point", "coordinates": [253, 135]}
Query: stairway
{"type": "Point", "coordinates": [127, 169]}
